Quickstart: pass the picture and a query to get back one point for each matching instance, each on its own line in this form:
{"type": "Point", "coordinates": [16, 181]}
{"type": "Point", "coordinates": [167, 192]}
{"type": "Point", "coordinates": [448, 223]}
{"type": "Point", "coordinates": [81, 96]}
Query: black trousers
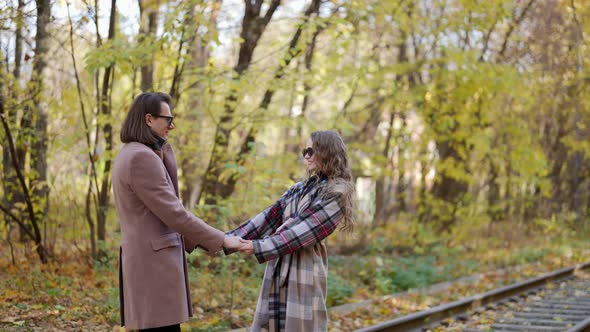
{"type": "Point", "coordinates": [171, 328]}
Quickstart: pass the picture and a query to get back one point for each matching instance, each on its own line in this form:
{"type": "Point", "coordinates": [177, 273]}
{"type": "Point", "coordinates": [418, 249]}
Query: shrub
{"type": "Point", "coordinates": [407, 273]}
{"type": "Point", "coordinates": [338, 290]}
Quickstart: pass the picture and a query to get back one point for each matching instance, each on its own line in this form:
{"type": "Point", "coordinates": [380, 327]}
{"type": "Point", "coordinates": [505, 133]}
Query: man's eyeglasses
{"type": "Point", "coordinates": [168, 118]}
{"type": "Point", "coordinates": [308, 151]}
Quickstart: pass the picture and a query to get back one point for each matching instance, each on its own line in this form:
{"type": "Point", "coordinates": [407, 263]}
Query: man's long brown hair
{"type": "Point", "coordinates": [332, 161]}
{"type": "Point", "coordinates": [134, 128]}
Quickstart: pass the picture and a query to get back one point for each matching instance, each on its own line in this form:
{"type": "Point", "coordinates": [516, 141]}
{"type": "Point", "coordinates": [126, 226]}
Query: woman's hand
{"type": "Point", "coordinates": [232, 242]}
{"type": "Point", "coordinates": [246, 247]}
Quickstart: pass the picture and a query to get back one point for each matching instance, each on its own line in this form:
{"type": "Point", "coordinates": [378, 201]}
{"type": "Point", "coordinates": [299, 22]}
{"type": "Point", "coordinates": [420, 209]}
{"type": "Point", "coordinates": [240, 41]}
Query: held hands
{"type": "Point", "coordinates": [232, 242]}
{"type": "Point", "coordinates": [247, 247]}
{"type": "Point", "coordinates": [236, 242]}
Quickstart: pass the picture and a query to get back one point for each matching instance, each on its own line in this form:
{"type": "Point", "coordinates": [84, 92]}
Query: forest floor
{"type": "Point", "coordinates": [70, 294]}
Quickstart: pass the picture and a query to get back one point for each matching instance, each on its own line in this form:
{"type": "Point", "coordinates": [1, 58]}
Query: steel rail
{"type": "Point", "coordinates": [583, 326]}
{"type": "Point", "coordinates": [433, 315]}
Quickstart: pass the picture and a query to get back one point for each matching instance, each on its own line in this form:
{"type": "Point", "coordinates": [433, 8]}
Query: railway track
{"type": "Point", "coordinates": [556, 301]}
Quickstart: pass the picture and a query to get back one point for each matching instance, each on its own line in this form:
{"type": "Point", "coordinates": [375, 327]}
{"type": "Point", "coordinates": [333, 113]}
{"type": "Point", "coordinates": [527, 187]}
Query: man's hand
{"type": "Point", "coordinates": [246, 247]}
{"type": "Point", "coordinates": [232, 242]}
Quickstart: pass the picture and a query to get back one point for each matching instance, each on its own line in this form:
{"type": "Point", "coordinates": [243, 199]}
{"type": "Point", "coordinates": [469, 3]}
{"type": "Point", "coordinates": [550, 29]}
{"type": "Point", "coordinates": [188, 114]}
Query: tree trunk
{"type": "Point", "coordinates": [509, 195]}
{"type": "Point", "coordinates": [575, 93]}
{"type": "Point", "coordinates": [402, 185]}
{"type": "Point", "coordinates": [381, 201]}
{"type": "Point", "coordinates": [448, 190]}
{"type": "Point", "coordinates": [253, 25]}
{"type": "Point", "coordinates": [199, 58]}
{"type": "Point", "coordinates": [105, 106]}
{"type": "Point", "coordinates": [308, 60]}
{"type": "Point", "coordinates": [558, 155]}
{"type": "Point", "coordinates": [494, 208]}
{"type": "Point", "coordinates": [35, 234]}
{"type": "Point", "coordinates": [18, 42]}
{"type": "Point", "coordinates": [12, 193]}
{"type": "Point", "coordinates": [90, 220]}
{"type": "Point", "coordinates": [383, 206]}
{"type": "Point", "coordinates": [292, 52]}
{"type": "Point", "coordinates": [92, 174]}
{"type": "Point", "coordinates": [423, 211]}
{"type": "Point", "coordinates": [576, 174]}
{"type": "Point", "coordinates": [289, 132]}
{"type": "Point", "coordinates": [39, 143]}
{"type": "Point", "coordinates": [295, 134]}
{"type": "Point", "coordinates": [148, 23]}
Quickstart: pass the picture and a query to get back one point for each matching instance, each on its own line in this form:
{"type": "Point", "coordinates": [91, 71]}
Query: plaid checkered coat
{"type": "Point", "coordinates": [288, 236]}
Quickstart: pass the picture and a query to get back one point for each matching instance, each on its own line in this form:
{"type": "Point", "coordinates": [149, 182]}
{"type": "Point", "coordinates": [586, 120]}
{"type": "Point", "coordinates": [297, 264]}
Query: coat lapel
{"type": "Point", "coordinates": [168, 158]}
{"type": "Point", "coordinates": [170, 164]}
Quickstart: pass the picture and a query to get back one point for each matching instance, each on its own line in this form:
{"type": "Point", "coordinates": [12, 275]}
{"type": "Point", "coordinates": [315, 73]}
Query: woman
{"type": "Point", "coordinates": [154, 290]}
{"type": "Point", "coordinates": [289, 237]}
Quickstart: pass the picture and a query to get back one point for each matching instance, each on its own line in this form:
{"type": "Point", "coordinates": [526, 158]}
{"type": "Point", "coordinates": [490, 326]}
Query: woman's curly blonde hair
{"type": "Point", "coordinates": [332, 161]}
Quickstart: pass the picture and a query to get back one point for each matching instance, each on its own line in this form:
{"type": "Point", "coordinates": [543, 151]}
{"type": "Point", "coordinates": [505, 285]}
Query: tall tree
{"type": "Point", "coordinates": [40, 116]}
{"type": "Point", "coordinates": [293, 51]}
{"type": "Point", "coordinates": [199, 56]}
{"type": "Point", "coordinates": [35, 233]}
{"type": "Point", "coordinates": [213, 186]}
{"type": "Point", "coordinates": [13, 194]}
{"type": "Point", "coordinates": [93, 176]}
{"type": "Point", "coordinates": [254, 23]}
{"type": "Point", "coordinates": [148, 23]}
{"type": "Point", "coordinates": [105, 107]}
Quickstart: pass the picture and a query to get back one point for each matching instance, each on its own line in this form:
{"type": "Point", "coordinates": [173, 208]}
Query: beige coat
{"type": "Point", "coordinates": [153, 280]}
{"type": "Point", "coordinates": [289, 236]}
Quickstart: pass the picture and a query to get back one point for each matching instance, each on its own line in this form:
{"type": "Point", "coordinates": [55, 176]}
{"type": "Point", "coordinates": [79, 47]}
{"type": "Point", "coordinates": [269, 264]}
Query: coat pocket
{"type": "Point", "coordinates": [166, 241]}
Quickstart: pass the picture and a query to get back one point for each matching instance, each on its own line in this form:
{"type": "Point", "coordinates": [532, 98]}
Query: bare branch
{"type": "Point", "coordinates": [513, 25]}
{"type": "Point", "coordinates": [18, 221]}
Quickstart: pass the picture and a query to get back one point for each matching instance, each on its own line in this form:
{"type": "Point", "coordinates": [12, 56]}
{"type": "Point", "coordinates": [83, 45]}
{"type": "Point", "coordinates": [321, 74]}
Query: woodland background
{"type": "Point", "coordinates": [466, 123]}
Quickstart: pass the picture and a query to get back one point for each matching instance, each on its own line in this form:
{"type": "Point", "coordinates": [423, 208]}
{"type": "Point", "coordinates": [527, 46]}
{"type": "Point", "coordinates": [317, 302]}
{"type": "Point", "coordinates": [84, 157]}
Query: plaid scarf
{"type": "Point", "coordinates": [288, 236]}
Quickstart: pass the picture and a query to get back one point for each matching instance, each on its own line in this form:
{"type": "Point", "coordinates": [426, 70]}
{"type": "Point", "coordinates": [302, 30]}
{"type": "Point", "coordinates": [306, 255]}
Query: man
{"type": "Point", "coordinates": [155, 227]}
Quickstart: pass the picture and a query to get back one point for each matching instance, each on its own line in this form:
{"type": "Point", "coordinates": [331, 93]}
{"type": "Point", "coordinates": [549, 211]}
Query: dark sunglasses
{"type": "Point", "coordinates": [308, 151]}
{"type": "Point", "coordinates": [169, 118]}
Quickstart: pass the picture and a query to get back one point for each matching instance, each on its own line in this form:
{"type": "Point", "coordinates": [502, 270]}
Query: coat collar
{"type": "Point", "coordinates": [157, 146]}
